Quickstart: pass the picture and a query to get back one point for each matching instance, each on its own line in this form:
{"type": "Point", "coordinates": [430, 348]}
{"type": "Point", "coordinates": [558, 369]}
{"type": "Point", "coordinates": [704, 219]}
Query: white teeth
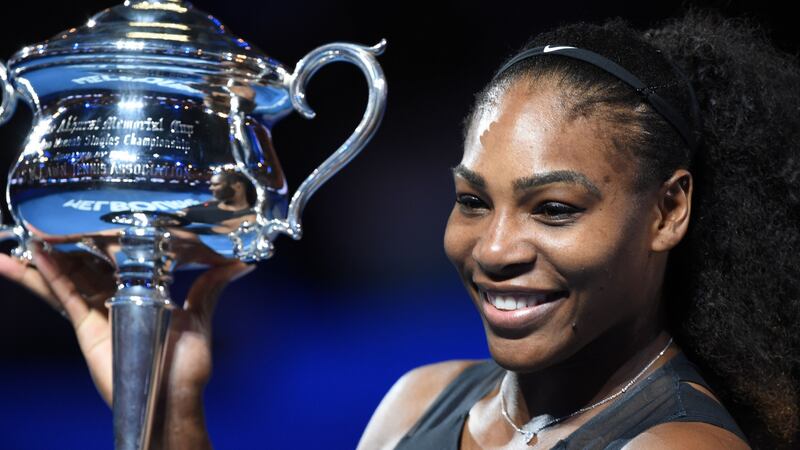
{"type": "Point", "coordinates": [513, 302]}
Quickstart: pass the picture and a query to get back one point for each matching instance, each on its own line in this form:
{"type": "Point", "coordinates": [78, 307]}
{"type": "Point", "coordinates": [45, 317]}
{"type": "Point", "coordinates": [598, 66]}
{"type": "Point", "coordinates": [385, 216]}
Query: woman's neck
{"type": "Point", "coordinates": [600, 369]}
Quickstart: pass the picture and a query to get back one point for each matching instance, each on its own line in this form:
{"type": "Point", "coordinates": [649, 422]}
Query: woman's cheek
{"type": "Point", "coordinates": [583, 256]}
{"type": "Point", "coordinates": [456, 240]}
{"type": "Point", "coordinates": [600, 271]}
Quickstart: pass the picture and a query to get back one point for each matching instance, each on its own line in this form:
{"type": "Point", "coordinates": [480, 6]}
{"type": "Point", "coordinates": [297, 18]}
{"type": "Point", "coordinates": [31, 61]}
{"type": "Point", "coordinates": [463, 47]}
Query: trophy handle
{"type": "Point", "coordinates": [8, 103]}
{"type": "Point", "coordinates": [364, 58]}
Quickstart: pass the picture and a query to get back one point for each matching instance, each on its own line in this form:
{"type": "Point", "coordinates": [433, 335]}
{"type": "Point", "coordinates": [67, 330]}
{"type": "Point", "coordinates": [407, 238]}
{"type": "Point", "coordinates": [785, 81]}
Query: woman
{"type": "Point", "coordinates": [604, 232]}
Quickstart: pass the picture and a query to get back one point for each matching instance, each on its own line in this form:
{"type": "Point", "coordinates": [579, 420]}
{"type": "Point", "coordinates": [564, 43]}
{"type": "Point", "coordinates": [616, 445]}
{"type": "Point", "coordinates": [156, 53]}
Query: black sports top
{"type": "Point", "coordinates": [661, 397]}
{"type": "Point", "coordinates": [210, 212]}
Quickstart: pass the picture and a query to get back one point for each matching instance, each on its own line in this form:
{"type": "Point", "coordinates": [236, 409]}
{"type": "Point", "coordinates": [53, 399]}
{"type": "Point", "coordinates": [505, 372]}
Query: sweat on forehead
{"type": "Point", "coordinates": [506, 100]}
{"type": "Point", "coordinates": [533, 113]}
{"type": "Point", "coordinates": [568, 101]}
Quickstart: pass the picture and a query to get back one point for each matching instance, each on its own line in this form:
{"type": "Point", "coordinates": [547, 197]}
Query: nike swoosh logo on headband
{"type": "Point", "coordinates": [548, 49]}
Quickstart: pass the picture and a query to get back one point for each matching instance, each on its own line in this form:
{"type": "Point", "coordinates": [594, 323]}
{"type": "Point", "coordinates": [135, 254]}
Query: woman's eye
{"type": "Point", "coordinates": [557, 212]}
{"type": "Point", "coordinates": [470, 203]}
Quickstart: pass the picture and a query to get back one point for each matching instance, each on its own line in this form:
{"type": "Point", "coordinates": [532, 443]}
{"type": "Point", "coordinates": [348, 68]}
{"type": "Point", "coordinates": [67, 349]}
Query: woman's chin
{"type": "Point", "coordinates": [525, 355]}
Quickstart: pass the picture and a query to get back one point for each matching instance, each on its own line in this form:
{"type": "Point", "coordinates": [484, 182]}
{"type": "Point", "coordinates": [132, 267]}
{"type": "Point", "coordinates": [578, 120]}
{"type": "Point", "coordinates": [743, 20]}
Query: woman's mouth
{"type": "Point", "coordinates": [513, 311]}
{"type": "Point", "coordinates": [513, 302]}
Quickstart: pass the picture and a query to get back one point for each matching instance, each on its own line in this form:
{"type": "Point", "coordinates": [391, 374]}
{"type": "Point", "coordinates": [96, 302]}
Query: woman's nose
{"type": "Point", "coordinates": [505, 249]}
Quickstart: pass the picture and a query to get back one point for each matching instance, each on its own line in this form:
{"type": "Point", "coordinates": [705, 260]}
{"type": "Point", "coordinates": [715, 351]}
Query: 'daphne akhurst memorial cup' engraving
{"type": "Point", "coordinates": [150, 148]}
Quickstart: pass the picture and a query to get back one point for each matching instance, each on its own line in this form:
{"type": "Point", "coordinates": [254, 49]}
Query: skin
{"type": "Point", "coordinates": [231, 195]}
{"type": "Point", "coordinates": [79, 284]}
{"type": "Point", "coordinates": [544, 204]}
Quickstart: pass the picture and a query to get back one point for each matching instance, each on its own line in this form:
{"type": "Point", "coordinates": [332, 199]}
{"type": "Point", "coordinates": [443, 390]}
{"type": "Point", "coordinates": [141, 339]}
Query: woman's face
{"type": "Point", "coordinates": [551, 239]}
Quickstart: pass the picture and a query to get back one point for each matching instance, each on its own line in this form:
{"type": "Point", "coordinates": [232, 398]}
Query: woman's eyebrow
{"type": "Point", "coordinates": [540, 179]}
{"type": "Point", "coordinates": [472, 177]}
{"type": "Point", "coordinates": [557, 176]}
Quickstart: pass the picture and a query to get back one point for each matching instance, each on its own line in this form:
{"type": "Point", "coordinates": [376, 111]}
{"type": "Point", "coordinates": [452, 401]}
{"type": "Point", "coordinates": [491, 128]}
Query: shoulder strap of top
{"type": "Point", "coordinates": [462, 393]}
{"type": "Point", "coordinates": [687, 370]}
{"type": "Point", "coordinates": [699, 406]}
{"type": "Point", "coordinates": [440, 426]}
{"type": "Point", "coordinates": [662, 397]}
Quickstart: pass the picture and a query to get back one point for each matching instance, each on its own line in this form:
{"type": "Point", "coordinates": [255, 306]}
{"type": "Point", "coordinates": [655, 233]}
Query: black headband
{"type": "Point", "coordinates": [656, 101]}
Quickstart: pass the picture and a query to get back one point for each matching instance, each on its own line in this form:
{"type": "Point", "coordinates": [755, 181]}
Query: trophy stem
{"type": "Point", "coordinates": [140, 314]}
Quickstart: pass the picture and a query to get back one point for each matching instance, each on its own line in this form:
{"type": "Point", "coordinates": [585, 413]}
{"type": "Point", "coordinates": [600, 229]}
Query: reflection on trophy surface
{"type": "Point", "coordinates": [151, 148]}
{"type": "Point", "coordinates": [234, 199]}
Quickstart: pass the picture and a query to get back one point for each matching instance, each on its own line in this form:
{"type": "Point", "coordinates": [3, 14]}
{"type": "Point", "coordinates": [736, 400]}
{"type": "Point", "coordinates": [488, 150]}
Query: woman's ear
{"type": "Point", "coordinates": [673, 211]}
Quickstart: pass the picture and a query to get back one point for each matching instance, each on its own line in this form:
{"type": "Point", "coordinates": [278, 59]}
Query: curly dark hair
{"type": "Point", "coordinates": [731, 287]}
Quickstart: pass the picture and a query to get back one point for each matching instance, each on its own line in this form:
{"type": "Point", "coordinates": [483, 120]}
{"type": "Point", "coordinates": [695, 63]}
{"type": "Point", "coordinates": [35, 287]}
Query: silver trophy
{"type": "Point", "coordinates": [150, 148]}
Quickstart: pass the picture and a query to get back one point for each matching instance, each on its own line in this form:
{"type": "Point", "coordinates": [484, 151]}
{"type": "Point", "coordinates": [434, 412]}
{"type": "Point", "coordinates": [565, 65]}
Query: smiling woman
{"type": "Point", "coordinates": [609, 226]}
{"type": "Point", "coordinates": [625, 223]}
{"type": "Point", "coordinates": [554, 237]}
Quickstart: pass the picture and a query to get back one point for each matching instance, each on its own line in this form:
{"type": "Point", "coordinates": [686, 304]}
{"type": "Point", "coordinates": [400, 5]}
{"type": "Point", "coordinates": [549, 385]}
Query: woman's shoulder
{"type": "Point", "coordinates": [677, 435]}
{"type": "Point", "coordinates": [704, 423]}
{"type": "Point", "coordinates": [409, 398]}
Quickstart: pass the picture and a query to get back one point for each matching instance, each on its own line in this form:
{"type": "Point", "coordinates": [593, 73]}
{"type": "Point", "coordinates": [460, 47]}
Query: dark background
{"type": "Point", "coordinates": [307, 345]}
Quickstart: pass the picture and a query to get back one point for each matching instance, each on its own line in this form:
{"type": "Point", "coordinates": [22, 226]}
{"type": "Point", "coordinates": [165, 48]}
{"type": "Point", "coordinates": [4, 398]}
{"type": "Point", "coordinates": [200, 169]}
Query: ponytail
{"type": "Point", "coordinates": [734, 285]}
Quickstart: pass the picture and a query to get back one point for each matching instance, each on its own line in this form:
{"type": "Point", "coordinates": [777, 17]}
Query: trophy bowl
{"type": "Point", "coordinates": [150, 148]}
